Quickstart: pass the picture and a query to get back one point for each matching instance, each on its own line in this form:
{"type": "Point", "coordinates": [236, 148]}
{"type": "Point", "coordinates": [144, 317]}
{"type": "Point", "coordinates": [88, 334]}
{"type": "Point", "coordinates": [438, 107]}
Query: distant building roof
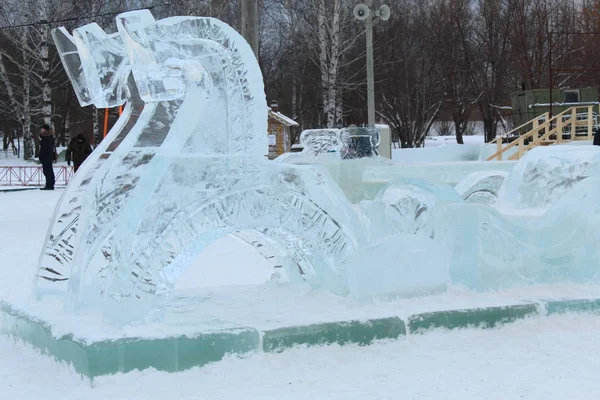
{"type": "Point", "coordinates": [287, 121]}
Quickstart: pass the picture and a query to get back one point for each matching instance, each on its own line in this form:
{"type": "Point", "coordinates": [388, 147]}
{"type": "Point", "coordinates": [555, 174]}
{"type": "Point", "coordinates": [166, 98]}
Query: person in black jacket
{"type": "Point", "coordinates": [79, 149]}
{"type": "Point", "coordinates": [47, 156]}
{"type": "Point", "coordinates": [597, 137]}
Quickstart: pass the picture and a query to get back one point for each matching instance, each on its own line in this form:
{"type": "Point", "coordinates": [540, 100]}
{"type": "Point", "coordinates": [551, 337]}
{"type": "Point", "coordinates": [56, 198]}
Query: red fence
{"type": "Point", "coordinates": [33, 176]}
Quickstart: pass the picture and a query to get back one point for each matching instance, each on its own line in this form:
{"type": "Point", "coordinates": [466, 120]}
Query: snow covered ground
{"type": "Point", "coordinates": [539, 358]}
{"type": "Point", "coordinates": [8, 159]}
{"type": "Point", "coordinates": [435, 141]}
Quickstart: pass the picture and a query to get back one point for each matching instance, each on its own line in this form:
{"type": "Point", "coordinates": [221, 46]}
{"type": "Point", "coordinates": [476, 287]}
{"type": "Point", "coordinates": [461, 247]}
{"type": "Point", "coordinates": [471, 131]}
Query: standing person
{"type": "Point", "coordinates": [46, 155]}
{"type": "Point", "coordinates": [597, 137]}
{"type": "Point", "coordinates": [79, 149]}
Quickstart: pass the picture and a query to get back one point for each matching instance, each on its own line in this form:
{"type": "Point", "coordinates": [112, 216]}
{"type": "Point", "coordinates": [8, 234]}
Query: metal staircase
{"type": "Point", "coordinates": [575, 123]}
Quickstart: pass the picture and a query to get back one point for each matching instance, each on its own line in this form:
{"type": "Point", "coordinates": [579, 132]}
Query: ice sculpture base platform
{"type": "Point", "coordinates": [96, 357]}
{"type": "Point", "coordinates": [268, 319]}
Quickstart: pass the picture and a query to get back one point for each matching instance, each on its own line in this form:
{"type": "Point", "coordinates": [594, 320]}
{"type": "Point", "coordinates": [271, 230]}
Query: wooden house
{"type": "Point", "coordinates": [528, 104]}
{"type": "Point", "coordinates": [279, 132]}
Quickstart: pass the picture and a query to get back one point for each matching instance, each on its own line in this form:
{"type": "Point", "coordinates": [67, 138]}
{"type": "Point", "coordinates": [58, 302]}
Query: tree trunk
{"type": "Point", "coordinates": [339, 110]}
{"type": "Point", "coordinates": [9, 88]}
{"type": "Point", "coordinates": [67, 134]}
{"type": "Point", "coordinates": [323, 44]}
{"type": "Point", "coordinates": [458, 129]}
{"type": "Point", "coordinates": [45, 63]}
{"type": "Point", "coordinates": [333, 67]}
{"type": "Point", "coordinates": [96, 127]}
{"type": "Point", "coordinates": [490, 127]}
{"type": "Point", "coordinates": [28, 150]}
{"type": "Point", "coordinates": [460, 124]}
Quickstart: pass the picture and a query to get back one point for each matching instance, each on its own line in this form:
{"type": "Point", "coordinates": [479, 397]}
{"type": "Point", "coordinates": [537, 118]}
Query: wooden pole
{"type": "Point", "coordinates": [370, 73]}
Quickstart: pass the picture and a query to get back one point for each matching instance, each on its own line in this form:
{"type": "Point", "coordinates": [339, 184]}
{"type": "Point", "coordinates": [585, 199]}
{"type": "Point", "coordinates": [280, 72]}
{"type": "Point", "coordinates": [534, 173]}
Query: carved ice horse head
{"type": "Point", "coordinates": [205, 62]}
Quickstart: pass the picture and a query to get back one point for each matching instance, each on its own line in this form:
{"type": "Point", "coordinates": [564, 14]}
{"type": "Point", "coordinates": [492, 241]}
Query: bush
{"type": "Point", "coordinates": [444, 128]}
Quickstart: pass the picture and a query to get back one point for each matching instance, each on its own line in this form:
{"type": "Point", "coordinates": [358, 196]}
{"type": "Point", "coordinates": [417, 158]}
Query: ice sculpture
{"type": "Point", "coordinates": [359, 142]}
{"type": "Point", "coordinates": [492, 250]}
{"type": "Point", "coordinates": [546, 173]}
{"type": "Point", "coordinates": [406, 206]}
{"type": "Point", "coordinates": [489, 251]}
{"type": "Point", "coordinates": [402, 257]}
{"type": "Point", "coordinates": [317, 141]}
{"type": "Point", "coordinates": [346, 153]}
{"type": "Point", "coordinates": [192, 169]}
{"type": "Point", "coordinates": [481, 186]}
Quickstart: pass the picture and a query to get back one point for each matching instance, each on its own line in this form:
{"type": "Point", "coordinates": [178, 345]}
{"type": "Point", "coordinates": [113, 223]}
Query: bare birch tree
{"type": "Point", "coordinates": [457, 55]}
{"type": "Point", "coordinates": [493, 36]}
{"type": "Point", "coordinates": [410, 92]}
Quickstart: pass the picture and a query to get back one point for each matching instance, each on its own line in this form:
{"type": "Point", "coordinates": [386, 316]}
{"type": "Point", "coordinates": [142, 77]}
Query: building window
{"type": "Point", "coordinates": [571, 96]}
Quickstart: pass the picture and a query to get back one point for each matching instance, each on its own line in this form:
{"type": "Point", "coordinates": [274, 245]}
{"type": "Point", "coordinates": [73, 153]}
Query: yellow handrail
{"type": "Point", "coordinates": [550, 131]}
{"type": "Point", "coordinates": [535, 123]}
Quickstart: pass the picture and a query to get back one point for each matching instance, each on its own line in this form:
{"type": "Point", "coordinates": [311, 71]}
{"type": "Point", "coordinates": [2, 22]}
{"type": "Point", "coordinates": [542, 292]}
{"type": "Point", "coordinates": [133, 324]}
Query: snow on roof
{"type": "Point", "coordinates": [580, 104]}
{"type": "Point", "coordinates": [282, 118]}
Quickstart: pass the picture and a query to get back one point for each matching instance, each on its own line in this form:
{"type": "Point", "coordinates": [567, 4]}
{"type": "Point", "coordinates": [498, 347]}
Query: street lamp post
{"type": "Point", "coordinates": [362, 12]}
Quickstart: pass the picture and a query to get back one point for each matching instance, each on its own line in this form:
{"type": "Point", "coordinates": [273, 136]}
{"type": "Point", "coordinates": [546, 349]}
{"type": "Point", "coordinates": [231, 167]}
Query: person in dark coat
{"type": "Point", "coordinates": [46, 156]}
{"type": "Point", "coordinates": [597, 137]}
{"type": "Point", "coordinates": [79, 149]}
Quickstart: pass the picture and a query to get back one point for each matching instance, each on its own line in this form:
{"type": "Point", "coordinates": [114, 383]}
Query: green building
{"type": "Point", "coordinates": [529, 104]}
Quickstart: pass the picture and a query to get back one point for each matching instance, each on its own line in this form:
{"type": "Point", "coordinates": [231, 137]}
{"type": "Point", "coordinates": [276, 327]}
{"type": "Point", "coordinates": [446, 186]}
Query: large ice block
{"type": "Point", "coordinates": [317, 141]}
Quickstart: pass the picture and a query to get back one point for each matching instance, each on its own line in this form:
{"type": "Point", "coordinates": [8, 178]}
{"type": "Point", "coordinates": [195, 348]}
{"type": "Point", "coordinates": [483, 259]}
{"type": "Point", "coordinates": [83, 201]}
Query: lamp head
{"type": "Point", "coordinates": [384, 12]}
{"type": "Point", "coordinates": [361, 11]}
